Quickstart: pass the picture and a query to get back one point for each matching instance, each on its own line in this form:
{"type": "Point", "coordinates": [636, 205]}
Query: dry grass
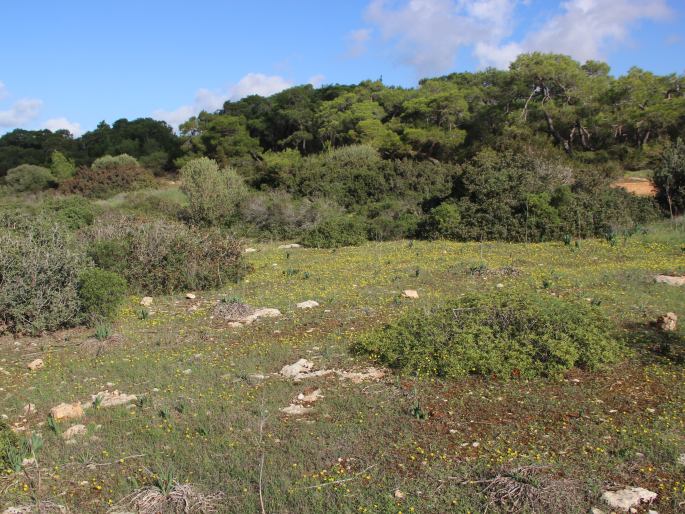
{"type": "Point", "coordinates": [531, 489]}
{"type": "Point", "coordinates": [181, 499]}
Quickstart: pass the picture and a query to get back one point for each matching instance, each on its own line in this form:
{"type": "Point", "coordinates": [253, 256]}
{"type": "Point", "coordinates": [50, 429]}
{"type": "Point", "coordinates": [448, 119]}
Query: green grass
{"type": "Point", "coordinates": [362, 441]}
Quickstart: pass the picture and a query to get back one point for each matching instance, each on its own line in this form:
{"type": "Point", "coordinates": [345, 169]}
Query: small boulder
{"type": "Point", "coordinates": [146, 301]}
{"type": "Point", "coordinates": [310, 396]}
{"type": "Point", "coordinates": [671, 281]}
{"type": "Point", "coordinates": [249, 250]}
{"type": "Point", "coordinates": [190, 296]}
{"type": "Point", "coordinates": [295, 409]}
{"type": "Point", "coordinates": [73, 431]}
{"type": "Point", "coordinates": [410, 293]}
{"type": "Point", "coordinates": [112, 399]}
{"type": "Point", "coordinates": [289, 246]}
{"type": "Point", "coordinates": [629, 497]}
{"type": "Point", "coordinates": [29, 408]}
{"type": "Point", "coordinates": [265, 312]}
{"type": "Point", "coordinates": [302, 366]}
{"type": "Point", "coordinates": [668, 322]}
{"type": "Point", "coordinates": [35, 365]}
{"type": "Point", "coordinates": [309, 304]}
{"type": "Point", "coordinates": [66, 411]}
{"type": "Point", "coordinates": [399, 494]}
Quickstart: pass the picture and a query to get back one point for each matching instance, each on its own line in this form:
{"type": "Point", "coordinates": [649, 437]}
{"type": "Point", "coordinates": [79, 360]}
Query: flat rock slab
{"type": "Point", "coordinates": [309, 304]}
{"type": "Point", "coordinates": [289, 246]}
{"type": "Point", "coordinates": [146, 301]}
{"type": "Point", "coordinates": [107, 399]}
{"type": "Point", "coordinates": [66, 411]}
{"type": "Point", "coordinates": [295, 409]}
{"type": "Point", "coordinates": [73, 431]}
{"type": "Point", "coordinates": [671, 281]}
{"type": "Point", "coordinates": [35, 365]}
{"type": "Point", "coordinates": [410, 293]}
{"type": "Point", "coordinates": [624, 499]}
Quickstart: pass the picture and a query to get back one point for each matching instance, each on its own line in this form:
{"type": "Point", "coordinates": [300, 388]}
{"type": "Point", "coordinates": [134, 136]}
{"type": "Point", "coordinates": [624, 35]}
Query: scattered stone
{"type": "Point", "coordinates": [295, 409]}
{"type": "Point", "coordinates": [499, 286]}
{"type": "Point", "coordinates": [146, 301]}
{"type": "Point", "coordinates": [309, 304]}
{"type": "Point", "coordinates": [29, 408]}
{"type": "Point", "coordinates": [301, 367]}
{"type": "Point", "coordinates": [681, 459]}
{"type": "Point", "coordinates": [668, 322]}
{"type": "Point", "coordinates": [66, 411]}
{"type": "Point", "coordinates": [289, 246]}
{"type": "Point", "coordinates": [410, 293]}
{"type": "Point", "coordinates": [35, 365]}
{"type": "Point", "coordinates": [255, 378]}
{"type": "Point", "coordinates": [671, 281]}
{"type": "Point", "coordinates": [28, 462]}
{"type": "Point", "coordinates": [399, 494]}
{"type": "Point", "coordinates": [112, 399]}
{"type": "Point", "coordinates": [629, 497]}
{"type": "Point", "coordinates": [249, 250]}
{"type": "Point", "coordinates": [235, 324]}
{"type": "Point", "coordinates": [190, 296]}
{"type": "Point", "coordinates": [73, 431]}
{"type": "Point", "coordinates": [187, 371]}
{"type": "Point", "coordinates": [595, 510]}
{"type": "Point", "coordinates": [26, 509]}
{"type": "Point", "coordinates": [265, 312]}
{"type": "Point", "coordinates": [362, 376]}
{"type": "Point", "coordinates": [310, 397]}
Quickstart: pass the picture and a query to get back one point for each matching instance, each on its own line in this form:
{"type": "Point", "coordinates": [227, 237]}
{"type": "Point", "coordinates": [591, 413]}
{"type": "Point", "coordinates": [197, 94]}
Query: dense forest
{"type": "Point", "coordinates": [517, 154]}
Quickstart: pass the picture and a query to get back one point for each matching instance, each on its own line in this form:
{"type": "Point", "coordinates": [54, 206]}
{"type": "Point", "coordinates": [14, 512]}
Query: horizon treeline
{"type": "Point", "coordinates": [544, 104]}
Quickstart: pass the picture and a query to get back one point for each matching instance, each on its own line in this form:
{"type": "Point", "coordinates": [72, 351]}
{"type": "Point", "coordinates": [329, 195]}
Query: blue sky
{"type": "Point", "coordinates": [73, 63]}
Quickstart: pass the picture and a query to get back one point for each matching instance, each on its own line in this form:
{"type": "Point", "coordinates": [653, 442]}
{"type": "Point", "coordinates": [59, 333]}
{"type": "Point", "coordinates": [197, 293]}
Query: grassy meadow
{"type": "Point", "coordinates": [400, 444]}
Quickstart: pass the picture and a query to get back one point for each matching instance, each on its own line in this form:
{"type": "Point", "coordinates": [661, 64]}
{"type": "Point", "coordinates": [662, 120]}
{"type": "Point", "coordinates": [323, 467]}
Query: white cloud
{"type": "Point", "coordinates": [208, 100]}
{"type": "Point", "coordinates": [20, 113]}
{"type": "Point", "coordinates": [428, 34]}
{"type": "Point", "coordinates": [3, 91]}
{"type": "Point", "coordinates": [356, 42]}
{"type": "Point", "coordinates": [316, 80]}
{"type": "Point", "coordinates": [55, 124]}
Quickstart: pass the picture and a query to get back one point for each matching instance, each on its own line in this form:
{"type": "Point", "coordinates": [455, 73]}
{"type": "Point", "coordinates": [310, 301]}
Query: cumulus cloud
{"type": "Point", "coordinates": [316, 80]}
{"type": "Point", "coordinates": [208, 100]}
{"type": "Point", "coordinates": [55, 124]}
{"type": "Point", "coordinates": [429, 34]}
{"type": "Point", "coordinates": [20, 113]}
{"type": "Point", "coordinates": [356, 42]}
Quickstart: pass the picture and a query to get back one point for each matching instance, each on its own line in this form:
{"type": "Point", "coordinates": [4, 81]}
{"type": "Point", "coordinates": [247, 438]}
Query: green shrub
{"type": "Point", "coordinates": [61, 167]}
{"type": "Point", "coordinates": [75, 212]}
{"type": "Point", "coordinates": [502, 335]}
{"type": "Point", "coordinates": [165, 257]}
{"type": "Point", "coordinates": [669, 179]}
{"type": "Point", "coordinates": [9, 444]}
{"type": "Point", "coordinates": [39, 268]}
{"type": "Point", "coordinates": [101, 293]}
{"type": "Point", "coordinates": [336, 232]}
{"type": "Point", "coordinates": [214, 194]}
{"type": "Point", "coordinates": [114, 162]}
{"type": "Point", "coordinates": [442, 222]}
{"type": "Point", "coordinates": [109, 177]}
{"type": "Point", "coordinates": [27, 178]}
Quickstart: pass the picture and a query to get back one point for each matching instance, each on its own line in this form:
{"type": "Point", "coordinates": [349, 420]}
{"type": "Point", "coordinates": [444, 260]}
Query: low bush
{"type": "Point", "coordinates": [115, 162]}
{"type": "Point", "coordinates": [442, 222]}
{"type": "Point", "coordinates": [101, 293]}
{"type": "Point", "coordinates": [39, 268]}
{"type": "Point", "coordinates": [214, 194]}
{"type": "Point", "coordinates": [501, 335]}
{"type": "Point", "coordinates": [336, 232]}
{"type": "Point", "coordinates": [106, 179]}
{"type": "Point", "coordinates": [28, 178]}
{"type": "Point", "coordinates": [9, 445]}
{"type": "Point", "coordinates": [164, 256]}
{"type": "Point", "coordinates": [75, 212]}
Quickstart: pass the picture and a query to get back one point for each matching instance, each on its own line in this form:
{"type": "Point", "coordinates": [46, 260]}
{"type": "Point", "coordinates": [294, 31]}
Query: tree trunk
{"type": "Point", "coordinates": [561, 141]}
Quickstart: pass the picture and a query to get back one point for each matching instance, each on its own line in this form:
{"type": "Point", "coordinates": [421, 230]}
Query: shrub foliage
{"type": "Point", "coordinates": [501, 335]}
